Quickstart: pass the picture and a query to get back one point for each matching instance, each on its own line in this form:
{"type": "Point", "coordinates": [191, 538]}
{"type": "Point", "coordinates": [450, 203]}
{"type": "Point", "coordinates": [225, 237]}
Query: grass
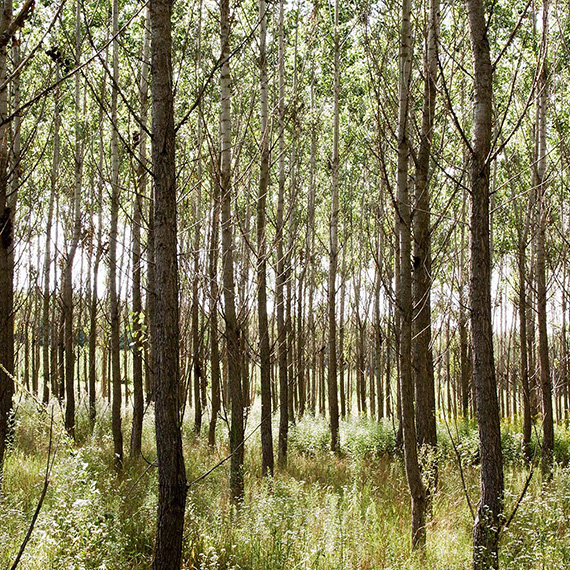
{"type": "Point", "coordinates": [322, 512]}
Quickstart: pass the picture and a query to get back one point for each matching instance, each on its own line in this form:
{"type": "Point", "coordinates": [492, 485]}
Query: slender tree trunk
{"type": "Point", "coordinates": [378, 337]}
{"type": "Point", "coordinates": [280, 285]}
{"type": "Point", "coordinates": [93, 309]}
{"type": "Point", "coordinates": [487, 523]}
{"type": "Point", "coordinates": [542, 203]}
{"type": "Point", "coordinates": [68, 271]}
{"type": "Point", "coordinates": [165, 348]}
{"type": "Point", "coordinates": [333, 249]}
{"type": "Point", "coordinates": [404, 297]}
{"type": "Point", "coordinates": [138, 396]}
{"type": "Point", "coordinates": [232, 327]}
{"type": "Point", "coordinates": [525, 384]}
{"type": "Point", "coordinates": [113, 239]}
{"type": "Point", "coordinates": [422, 354]}
{"type": "Point", "coordinates": [46, 325]}
{"type": "Point", "coordinates": [264, 348]}
{"type": "Point", "coordinates": [214, 347]}
{"type": "Point", "coordinates": [198, 377]}
{"type": "Point", "coordinates": [341, 340]}
{"type": "Point", "coordinates": [464, 355]}
{"type": "Point", "coordinates": [6, 258]}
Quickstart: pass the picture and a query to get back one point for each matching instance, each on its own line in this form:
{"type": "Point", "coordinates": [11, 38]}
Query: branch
{"type": "Point", "coordinates": [451, 109]}
{"type": "Point", "coordinates": [513, 34]}
{"type": "Point", "coordinates": [17, 23]}
{"type": "Point", "coordinates": [49, 465]}
{"type": "Point", "coordinates": [459, 462]}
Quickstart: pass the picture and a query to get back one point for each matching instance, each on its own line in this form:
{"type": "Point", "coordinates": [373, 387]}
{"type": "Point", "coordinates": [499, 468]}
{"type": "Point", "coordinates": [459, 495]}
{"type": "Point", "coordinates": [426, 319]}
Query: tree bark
{"type": "Point", "coordinates": [113, 285]}
{"type": "Point", "coordinates": [46, 324]}
{"type": "Point", "coordinates": [264, 348]}
{"type": "Point", "coordinates": [68, 271]}
{"type": "Point", "coordinates": [280, 278]}
{"type": "Point", "coordinates": [214, 294]}
{"type": "Point", "coordinates": [138, 395]}
{"type": "Point", "coordinates": [404, 297]}
{"type": "Point", "coordinates": [525, 384]}
{"type": "Point", "coordinates": [172, 487]}
{"type": "Point", "coordinates": [487, 523]}
{"type": "Point", "coordinates": [542, 202]}
{"type": "Point", "coordinates": [6, 257]}
{"type": "Point", "coordinates": [232, 327]}
{"type": "Point", "coordinates": [333, 249]}
{"type": "Point", "coordinates": [422, 353]}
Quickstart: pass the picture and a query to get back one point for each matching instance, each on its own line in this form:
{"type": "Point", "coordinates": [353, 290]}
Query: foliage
{"type": "Point", "coordinates": [322, 512]}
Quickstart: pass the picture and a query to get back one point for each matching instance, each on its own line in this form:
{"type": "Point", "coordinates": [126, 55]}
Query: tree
{"type": "Point", "coordinates": [404, 297]}
{"type": "Point", "coordinates": [76, 234]}
{"type": "Point", "coordinates": [422, 276]}
{"type": "Point", "coordinates": [113, 285]}
{"type": "Point", "coordinates": [264, 348]}
{"type": "Point", "coordinates": [141, 174]}
{"type": "Point", "coordinates": [539, 185]}
{"type": "Point", "coordinates": [232, 327]}
{"type": "Point", "coordinates": [280, 278]}
{"type": "Point", "coordinates": [165, 343]}
{"type": "Point", "coordinates": [6, 256]}
{"type": "Point", "coordinates": [8, 28]}
{"type": "Point", "coordinates": [488, 521]}
{"type": "Point", "coordinates": [333, 248]}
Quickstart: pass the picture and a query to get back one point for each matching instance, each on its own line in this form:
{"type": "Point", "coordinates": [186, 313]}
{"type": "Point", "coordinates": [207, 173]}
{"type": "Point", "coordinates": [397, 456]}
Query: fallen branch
{"type": "Point", "coordinates": [49, 466]}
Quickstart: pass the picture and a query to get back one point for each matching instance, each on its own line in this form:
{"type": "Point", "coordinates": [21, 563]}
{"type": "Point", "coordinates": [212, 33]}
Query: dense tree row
{"type": "Point", "coordinates": [349, 208]}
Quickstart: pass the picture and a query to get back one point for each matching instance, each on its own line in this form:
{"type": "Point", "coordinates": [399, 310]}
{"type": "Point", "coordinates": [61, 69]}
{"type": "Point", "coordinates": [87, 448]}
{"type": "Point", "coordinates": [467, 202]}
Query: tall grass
{"type": "Point", "coordinates": [321, 512]}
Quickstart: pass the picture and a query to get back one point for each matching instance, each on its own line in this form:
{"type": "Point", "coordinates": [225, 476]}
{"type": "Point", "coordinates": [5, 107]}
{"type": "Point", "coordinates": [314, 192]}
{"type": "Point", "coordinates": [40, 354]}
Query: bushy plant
{"type": "Point", "coordinates": [321, 512]}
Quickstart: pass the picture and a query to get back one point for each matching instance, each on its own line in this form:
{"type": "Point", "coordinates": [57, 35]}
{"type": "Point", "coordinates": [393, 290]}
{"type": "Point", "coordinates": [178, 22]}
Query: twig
{"type": "Point", "coordinates": [522, 494]}
{"type": "Point", "coordinates": [148, 467]}
{"type": "Point", "coordinates": [242, 443]}
{"type": "Point", "coordinates": [49, 465]}
{"type": "Point", "coordinates": [458, 455]}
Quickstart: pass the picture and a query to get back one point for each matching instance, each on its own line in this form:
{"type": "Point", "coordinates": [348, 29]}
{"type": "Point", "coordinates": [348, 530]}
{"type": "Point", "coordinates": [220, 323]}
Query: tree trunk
{"type": "Point", "coordinates": [113, 285]}
{"type": "Point", "coordinates": [165, 348]}
{"type": "Point", "coordinates": [280, 278]}
{"type": "Point", "coordinates": [264, 348]}
{"type": "Point", "coordinates": [6, 258]}
{"type": "Point", "coordinates": [542, 202]}
{"type": "Point", "coordinates": [138, 396]}
{"type": "Point", "coordinates": [68, 271]}
{"type": "Point", "coordinates": [422, 354]}
{"type": "Point", "coordinates": [198, 377]}
{"type": "Point", "coordinates": [525, 384]}
{"type": "Point", "coordinates": [333, 249]}
{"type": "Point", "coordinates": [46, 324]}
{"type": "Point", "coordinates": [487, 523]}
{"type": "Point", "coordinates": [214, 347]}
{"type": "Point", "coordinates": [404, 297]}
{"type": "Point", "coordinates": [232, 328]}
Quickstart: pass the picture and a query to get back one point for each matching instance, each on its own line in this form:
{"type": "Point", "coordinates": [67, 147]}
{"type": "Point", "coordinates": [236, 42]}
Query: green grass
{"type": "Point", "coordinates": [321, 512]}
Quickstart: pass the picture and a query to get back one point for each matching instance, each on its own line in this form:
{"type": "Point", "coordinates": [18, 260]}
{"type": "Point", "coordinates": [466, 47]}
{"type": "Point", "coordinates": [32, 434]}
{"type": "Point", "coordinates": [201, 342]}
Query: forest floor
{"type": "Point", "coordinates": [320, 512]}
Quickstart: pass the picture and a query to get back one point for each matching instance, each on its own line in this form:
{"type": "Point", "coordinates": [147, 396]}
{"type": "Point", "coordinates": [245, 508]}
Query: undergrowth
{"type": "Point", "coordinates": [321, 512]}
